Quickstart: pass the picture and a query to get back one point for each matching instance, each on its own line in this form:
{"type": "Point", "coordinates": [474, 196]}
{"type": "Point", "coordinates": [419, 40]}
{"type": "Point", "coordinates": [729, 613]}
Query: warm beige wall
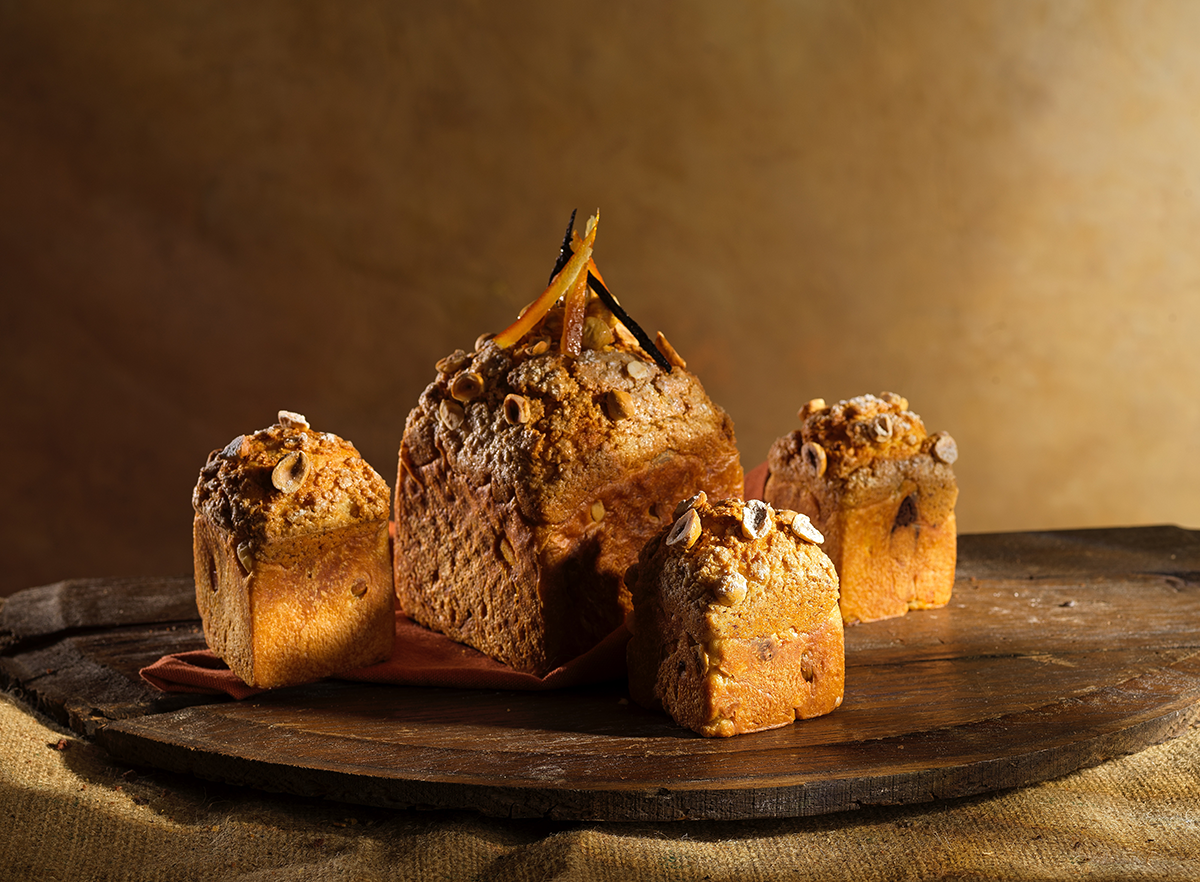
{"type": "Point", "coordinates": [209, 211]}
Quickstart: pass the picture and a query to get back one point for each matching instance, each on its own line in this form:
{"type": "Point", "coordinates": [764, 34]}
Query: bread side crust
{"type": "Point", "coordinates": [222, 596]}
{"type": "Point", "coordinates": [312, 607]}
{"type": "Point", "coordinates": [533, 596]}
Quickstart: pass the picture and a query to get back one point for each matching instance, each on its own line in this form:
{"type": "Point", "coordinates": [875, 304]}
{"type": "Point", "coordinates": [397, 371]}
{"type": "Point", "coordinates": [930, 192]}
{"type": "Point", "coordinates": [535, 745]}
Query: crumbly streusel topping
{"type": "Point", "coordinates": [535, 423]}
{"type": "Point", "coordinates": [853, 432]}
{"type": "Point", "coordinates": [720, 562]}
{"type": "Point", "coordinates": [288, 479]}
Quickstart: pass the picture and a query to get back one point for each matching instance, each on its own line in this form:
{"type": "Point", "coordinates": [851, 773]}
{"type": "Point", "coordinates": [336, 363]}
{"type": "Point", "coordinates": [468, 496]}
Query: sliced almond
{"type": "Point", "coordinates": [597, 511]}
{"type": "Point", "coordinates": [668, 351]}
{"type": "Point", "coordinates": [624, 335]}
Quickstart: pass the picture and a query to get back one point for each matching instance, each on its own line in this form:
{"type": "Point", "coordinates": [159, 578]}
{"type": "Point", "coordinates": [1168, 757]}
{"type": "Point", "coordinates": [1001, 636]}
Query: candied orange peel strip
{"type": "Point", "coordinates": [596, 272]}
{"type": "Point", "coordinates": [565, 281]}
{"type": "Point", "coordinates": [574, 315]}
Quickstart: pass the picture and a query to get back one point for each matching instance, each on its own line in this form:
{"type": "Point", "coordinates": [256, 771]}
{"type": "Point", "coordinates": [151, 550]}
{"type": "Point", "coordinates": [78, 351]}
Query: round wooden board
{"type": "Point", "coordinates": [1025, 676]}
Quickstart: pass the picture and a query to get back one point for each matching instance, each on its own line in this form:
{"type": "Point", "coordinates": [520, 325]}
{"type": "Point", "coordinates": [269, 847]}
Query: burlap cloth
{"type": "Point", "coordinates": [67, 812]}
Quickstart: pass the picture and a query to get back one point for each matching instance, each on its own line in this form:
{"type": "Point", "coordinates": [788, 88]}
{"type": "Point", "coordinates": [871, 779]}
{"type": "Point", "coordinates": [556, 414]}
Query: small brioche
{"type": "Point", "coordinates": [292, 559]}
{"type": "Point", "coordinates": [882, 492]}
{"type": "Point", "coordinates": [735, 622]}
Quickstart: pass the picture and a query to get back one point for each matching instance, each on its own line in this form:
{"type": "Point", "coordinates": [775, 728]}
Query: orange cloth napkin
{"type": "Point", "coordinates": [421, 658]}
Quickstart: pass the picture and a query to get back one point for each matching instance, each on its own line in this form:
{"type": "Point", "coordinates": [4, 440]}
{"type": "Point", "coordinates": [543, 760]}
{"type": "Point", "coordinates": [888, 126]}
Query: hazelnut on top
{"type": "Point", "coordinates": [286, 480]}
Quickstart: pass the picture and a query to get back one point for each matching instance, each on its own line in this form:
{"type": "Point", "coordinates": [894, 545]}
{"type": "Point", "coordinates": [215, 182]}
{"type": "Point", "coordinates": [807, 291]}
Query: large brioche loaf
{"type": "Point", "coordinates": [534, 468]}
{"type": "Point", "coordinates": [292, 561]}
{"type": "Point", "coordinates": [519, 508]}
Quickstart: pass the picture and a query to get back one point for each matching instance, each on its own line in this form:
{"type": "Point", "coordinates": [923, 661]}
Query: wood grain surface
{"type": "Point", "coordinates": [1057, 651]}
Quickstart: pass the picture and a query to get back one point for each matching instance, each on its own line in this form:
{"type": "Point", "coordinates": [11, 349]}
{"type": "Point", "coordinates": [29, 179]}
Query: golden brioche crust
{"type": "Point", "coordinates": [736, 626]}
{"type": "Point", "coordinates": [529, 478]}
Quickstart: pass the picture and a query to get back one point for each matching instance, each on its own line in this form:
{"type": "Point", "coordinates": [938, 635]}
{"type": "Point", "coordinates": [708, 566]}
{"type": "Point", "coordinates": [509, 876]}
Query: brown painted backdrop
{"type": "Point", "coordinates": [209, 211]}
